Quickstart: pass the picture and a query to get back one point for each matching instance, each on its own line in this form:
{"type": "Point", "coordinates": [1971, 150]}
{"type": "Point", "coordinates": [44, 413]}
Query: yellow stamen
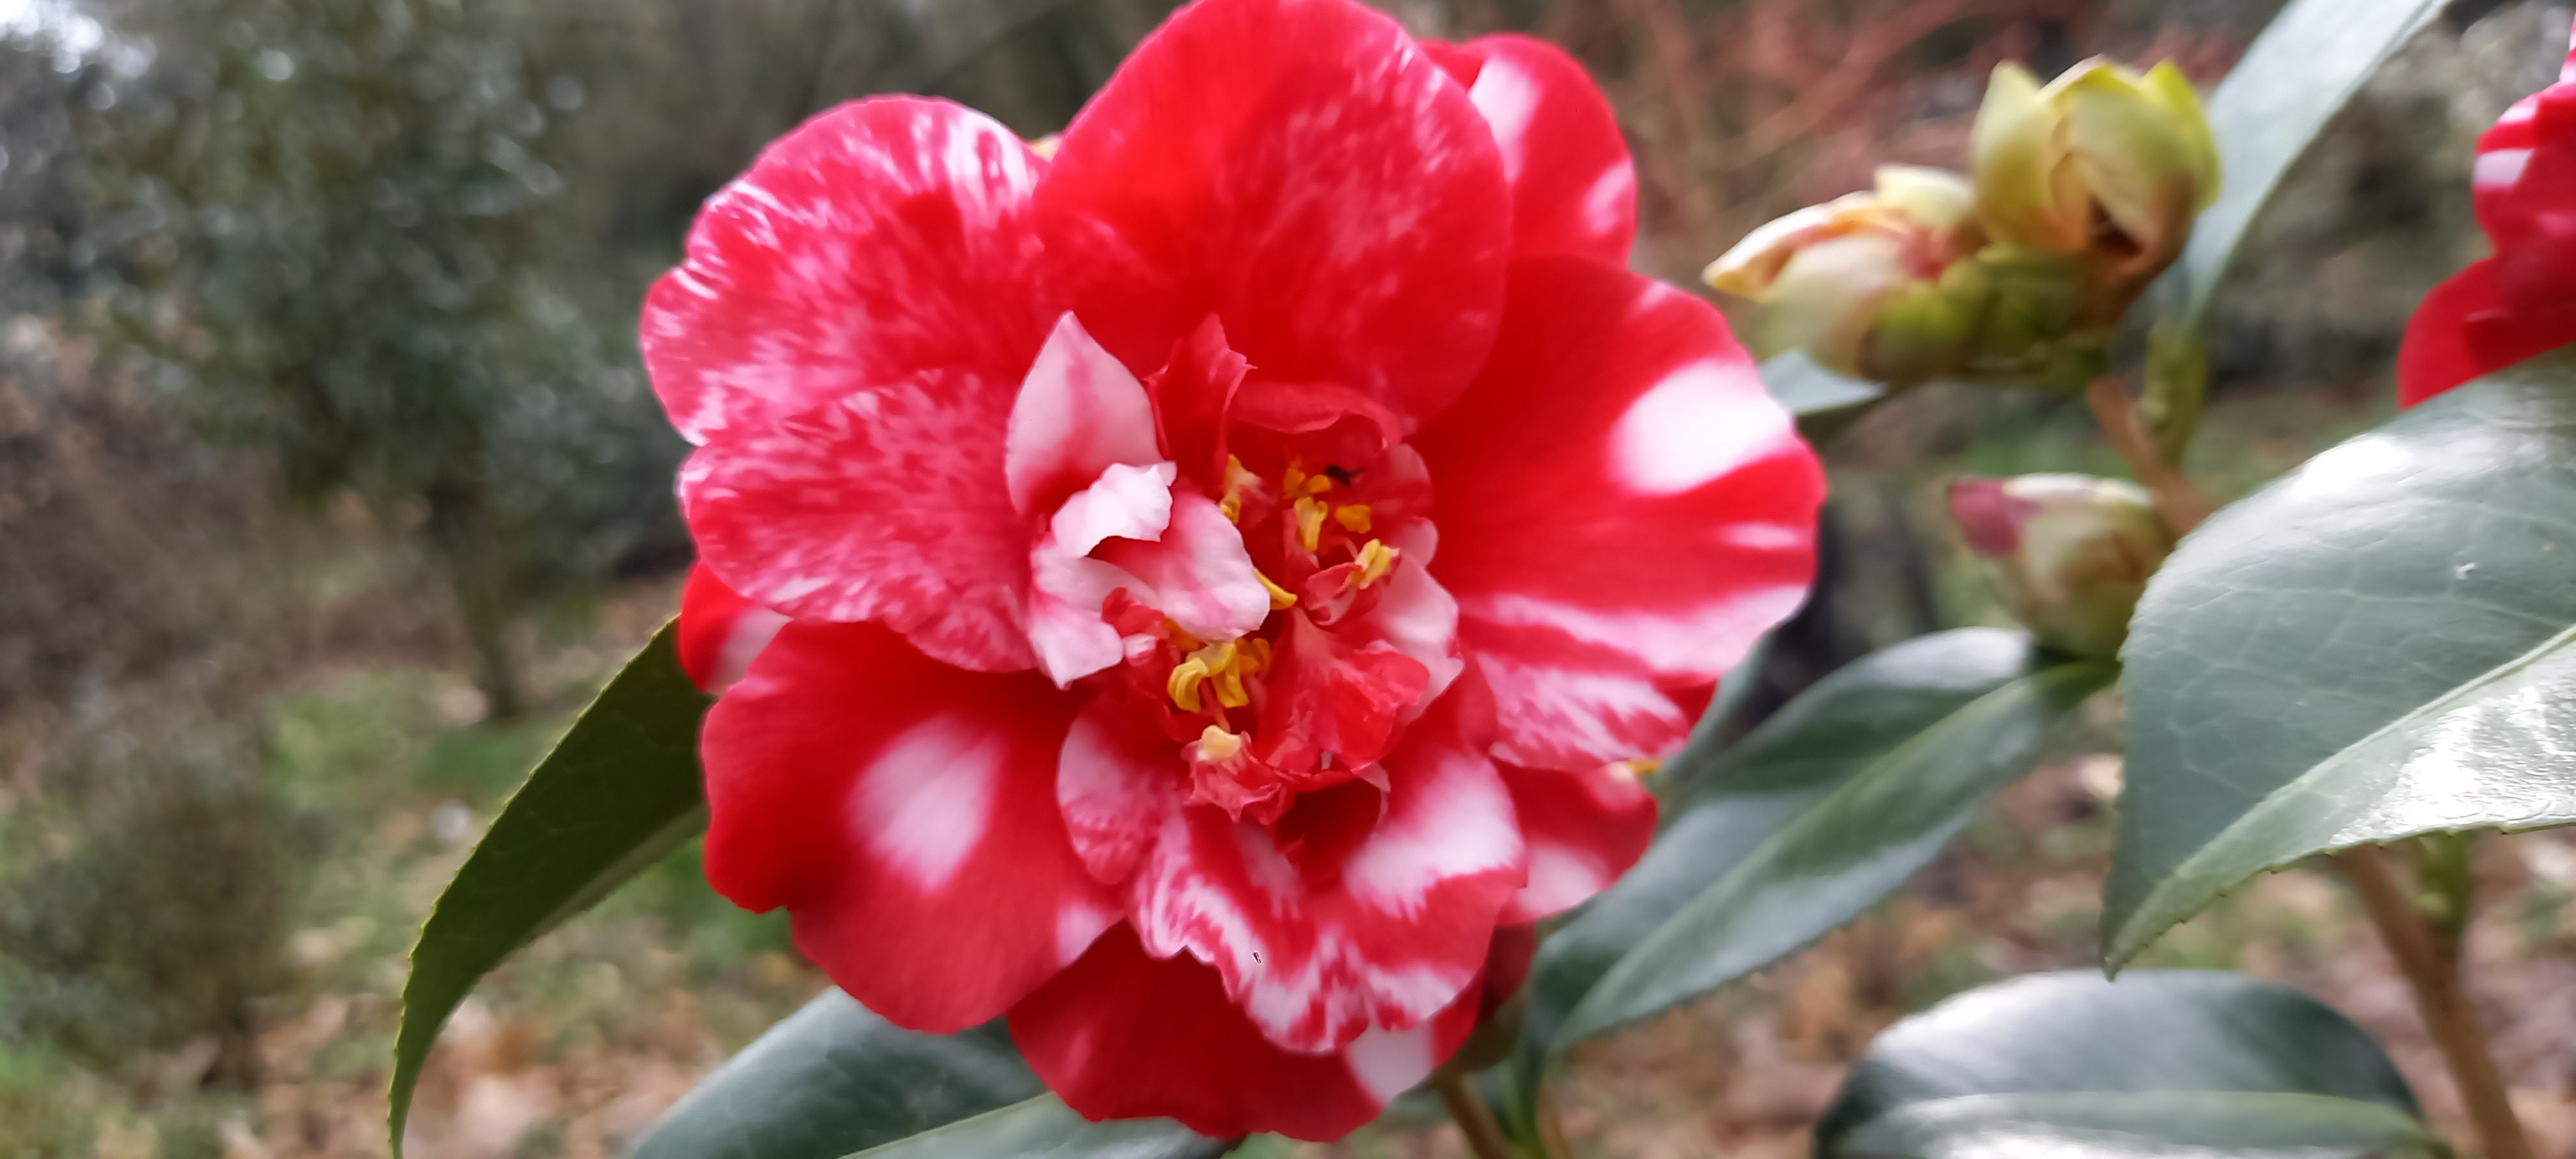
{"type": "Point", "coordinates": [1237, 480]}
{"type": "Point", "coordinates": [1354, 518]}
{"type": "Point", "coordinates": [1181, 638]}
{"type": "Point", "coordinates": [1216, 744]}
{"type": "Point", "coordinates": [1291, 484]}
{"type": "Point", "coordinates": [1639, 768]}
{"type": "Point", "coordinates": [1375, 560]}
{"type": "Point", "coordinates": [1184, 684]}
{"type": "Point", "coordinates": [1310, 523]}
{"type": "Point", "coordinates": [1260, 654]}
{"type": "Point", "coordinates": [1280, 597]}
{"type": "Point", "coordinates": [1317, 485]}
{"type": "Point", "coordinates": [1228, 683]}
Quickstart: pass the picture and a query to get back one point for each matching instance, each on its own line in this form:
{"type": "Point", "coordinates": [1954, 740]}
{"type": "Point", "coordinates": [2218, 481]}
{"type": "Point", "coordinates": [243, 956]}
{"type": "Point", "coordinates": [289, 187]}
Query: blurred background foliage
{"type": "Point", "coordinates": [330, 485]}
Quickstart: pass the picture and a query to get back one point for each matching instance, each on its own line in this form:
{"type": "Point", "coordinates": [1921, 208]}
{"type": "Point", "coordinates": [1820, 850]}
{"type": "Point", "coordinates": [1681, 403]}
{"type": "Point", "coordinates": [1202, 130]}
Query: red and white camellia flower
{"type": "Point", "coordinates": [2520, 303]}
{"type": "Point", "coordinates": [1190, 593]}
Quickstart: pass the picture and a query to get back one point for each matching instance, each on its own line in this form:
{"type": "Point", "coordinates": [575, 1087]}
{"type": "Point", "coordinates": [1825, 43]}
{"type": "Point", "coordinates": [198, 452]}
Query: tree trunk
{"type": "Point", "coordinates": [461, 535]}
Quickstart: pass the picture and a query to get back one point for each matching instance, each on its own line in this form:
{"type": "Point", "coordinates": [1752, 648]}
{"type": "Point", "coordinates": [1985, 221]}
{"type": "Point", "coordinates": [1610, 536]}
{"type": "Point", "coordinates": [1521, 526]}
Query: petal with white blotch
{"type": "Point", "coordinates": [1584, 829]}
{"type": "Point", "coordinates": [1121, 1034]}
{"type": "Point", "coordinates": [1623, 510]}
{"type": "Point", "coordinates": [1357, 909]}
{"type": "Point", "coordinates": [904, 812]}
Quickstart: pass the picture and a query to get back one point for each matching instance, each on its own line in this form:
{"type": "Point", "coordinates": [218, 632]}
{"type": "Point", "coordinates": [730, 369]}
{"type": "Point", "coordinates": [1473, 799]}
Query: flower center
{"type": "Point", "coordinates": [1315, 695]}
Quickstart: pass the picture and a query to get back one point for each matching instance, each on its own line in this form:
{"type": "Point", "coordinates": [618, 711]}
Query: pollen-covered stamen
{"type": "Point", "coordinates": [1281, 598]}
{"type": "Point", "coordinates": [1218, 670]}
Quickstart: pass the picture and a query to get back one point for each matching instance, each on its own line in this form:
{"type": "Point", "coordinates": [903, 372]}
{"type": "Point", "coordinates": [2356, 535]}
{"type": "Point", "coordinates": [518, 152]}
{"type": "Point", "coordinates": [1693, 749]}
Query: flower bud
{"type": "Point", "coordinates": [1829, 277]}
{"type": "Point", "coordinates": [2102, 164]}
{"type": "Point", "coordinates": [2070, 554]}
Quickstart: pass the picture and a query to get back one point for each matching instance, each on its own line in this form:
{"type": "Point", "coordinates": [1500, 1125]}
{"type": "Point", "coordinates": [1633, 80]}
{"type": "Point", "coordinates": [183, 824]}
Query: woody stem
{"type": "Point", "coordinates": [1484, 1135]}
{"type": "Point", "coordinates": [2433, 971]}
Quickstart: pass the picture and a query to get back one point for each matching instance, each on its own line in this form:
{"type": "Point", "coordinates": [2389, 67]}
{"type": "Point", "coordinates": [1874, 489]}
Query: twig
{"type": "Point", "coordinates": [2181, 501]}
{"type": "Point", "coordinates": [1484, 1135]}
{"type": "Point", "coordinates": [2444, 1004]}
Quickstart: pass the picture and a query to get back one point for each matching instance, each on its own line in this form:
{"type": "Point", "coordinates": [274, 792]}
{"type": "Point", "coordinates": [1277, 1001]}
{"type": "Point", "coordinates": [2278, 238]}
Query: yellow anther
{"type": "Point", "coordinates": [1216, 657]}
{"type": "Point", "coordinates": [1293, 483]}
{"type": "Point", "coordinates": [1639, 768]}
{"type": "Point", "coordinates": [1310, 523]}
{"type": "Point", "coordinates": [1217, 744]}
{"type": "Point", "coordinates": [1375, 560]}
{"type": "Point", "coordinates": [1231, 507]}
{"type": "Point", "coordinates": [1316, 485]}
{"type": "Point", "coordinates": [1181, 637]}
{"type": "Point", "coordinates": [1237, 480]}
{"type": "Point", "coordinates": [1279, 597]}
{"type": "Point", "coordinates": [1354, 518]}
{"type": "Point", "coordinates": [1228, 683]}
{"type": "Point", "coordinates": [1259, 654]}
{"type": "Point", "coordinates": [1184, 684]}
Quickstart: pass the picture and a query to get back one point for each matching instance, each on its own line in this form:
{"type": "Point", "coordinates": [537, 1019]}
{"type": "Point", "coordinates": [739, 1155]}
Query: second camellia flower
{"type": "Point", "coordinates": [1190, 592]}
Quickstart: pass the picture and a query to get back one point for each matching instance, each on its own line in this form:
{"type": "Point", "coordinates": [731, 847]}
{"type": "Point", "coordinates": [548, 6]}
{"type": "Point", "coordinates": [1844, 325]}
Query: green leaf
{"type": "Point", "coordinates": [2144, 1125]}
{"type": "Point", "coordinates": [619, 791]}
{"type": "Point", "coordinates": [1045, 1126]}
{"type": "Point", "coordinates": [1721, 803]}
{"type": "Point", "coordinates": [1837, 857]}
{"type": "Point", "coordinates": [2370, 648]}
{"type": "Point", "coordinates": [2291, 81]}
{"type": "Point", "coordinates": [832, 1079]}
{"type": "Point", "coordinates": [1823, 401]}
{"type": "Point", "coordinates": [2163, 1057]}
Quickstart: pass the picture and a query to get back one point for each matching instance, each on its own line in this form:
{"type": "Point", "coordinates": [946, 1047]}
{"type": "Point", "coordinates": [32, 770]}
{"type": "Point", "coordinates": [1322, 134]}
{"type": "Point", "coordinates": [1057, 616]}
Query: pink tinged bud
{"type": "Point", "coordinates": [2069, 554]}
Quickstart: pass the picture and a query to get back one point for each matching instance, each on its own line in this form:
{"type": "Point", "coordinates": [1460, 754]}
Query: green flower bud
{"type": "Point", "coordinates": [1826, 274]}
{"type": "Point", "coordinates": [2070, 554]}
{"type": "Point", "coordinates": [2102, 164]}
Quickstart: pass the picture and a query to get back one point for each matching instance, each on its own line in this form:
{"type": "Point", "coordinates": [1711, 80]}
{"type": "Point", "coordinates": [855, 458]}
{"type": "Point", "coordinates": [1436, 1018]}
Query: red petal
{"type": "Point", "coordinates": [1116, 785]}
{"type": "Point", "coordinates": [720, 632]}
{"type": "Point", "coordinates": [1077, 414]}
{"type": "Point", "coordinates": [884, 506]}
{"type": "Point", "coordinates": [904, 812]}
{"type": "Point", "coordinates": [1301, 170]}
{"type": "Point", "coordinates": [1574, 187]}
{"type": "Point", "coordinates": [1338, 919]}
{"type": "Point", "coordinates": [2436, 355]}
{"type": "Point", "coordinates": [1622, 511]}
{"type": "Point", "coordinates": [1122, 1035]}
{"type": "Point", "coordinates": [883, 242]}
{"type": "Point", "coordinates": [1584, 829]}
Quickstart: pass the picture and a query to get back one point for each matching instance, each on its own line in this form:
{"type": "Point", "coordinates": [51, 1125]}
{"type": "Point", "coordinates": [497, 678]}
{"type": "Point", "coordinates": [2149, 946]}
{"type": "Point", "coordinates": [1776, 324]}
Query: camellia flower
{"type": "Point", "coordinates": [1192, 592]}
{"type": "Point", "coordinates": [2520, 303]}
{"type": "Point", "coordinates": [2070, 554]}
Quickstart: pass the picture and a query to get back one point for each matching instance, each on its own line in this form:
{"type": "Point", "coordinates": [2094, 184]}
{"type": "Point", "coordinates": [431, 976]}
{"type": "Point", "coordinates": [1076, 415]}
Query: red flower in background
{"type": "Point", "coordinates": [1207, 579]}
{"type": "Point", "coordinates": [2521, 303]}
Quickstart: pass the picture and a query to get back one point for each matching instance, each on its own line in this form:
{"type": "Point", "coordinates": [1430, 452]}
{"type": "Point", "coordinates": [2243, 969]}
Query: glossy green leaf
{"type": "Point", "coordinates": [2164, 1058]}
{"type": "Point", "coordinates": [1831, 860]}
{"type": "Point", "coordinates": [1721, 802]}
{"type": "Point", "coordinates": [1823, 401]}
{"type": "Point", "coordinates": [2370, 648]}
{"type": "Point", "coordinates": [618, 792]}
{"type": "Point", "coordinates": [833, 1079]}
{"type": "Point", "coordinates": [2291, 81]}
{"type": "Point", "coordinates": [1045, 1126]}
{"type": "Point", "coordinates": [2145, 1125]}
